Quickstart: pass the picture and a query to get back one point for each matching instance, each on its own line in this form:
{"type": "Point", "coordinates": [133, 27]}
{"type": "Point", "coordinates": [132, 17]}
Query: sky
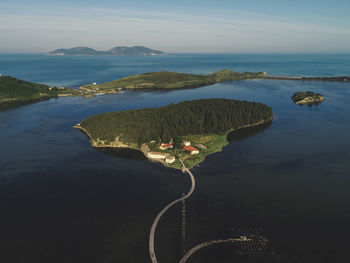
{"type": "Point", "coordinates": [192, 26]}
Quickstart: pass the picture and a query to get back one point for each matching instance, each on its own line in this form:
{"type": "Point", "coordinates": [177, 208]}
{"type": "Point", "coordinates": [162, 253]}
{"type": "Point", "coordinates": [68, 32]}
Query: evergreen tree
{"type": "Point", "coordinates": [189, 117]}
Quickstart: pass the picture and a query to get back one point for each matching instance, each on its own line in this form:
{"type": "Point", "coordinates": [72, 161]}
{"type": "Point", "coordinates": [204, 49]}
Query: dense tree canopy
{"type": "Point", "coordinates": [189, 117]}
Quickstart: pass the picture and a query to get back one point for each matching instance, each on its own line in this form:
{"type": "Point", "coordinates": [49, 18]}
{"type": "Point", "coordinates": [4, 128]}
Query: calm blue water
{"type": "Point", "coordinates": [75, 71]}
{"type": "Point", "coordinates": [63, 201]}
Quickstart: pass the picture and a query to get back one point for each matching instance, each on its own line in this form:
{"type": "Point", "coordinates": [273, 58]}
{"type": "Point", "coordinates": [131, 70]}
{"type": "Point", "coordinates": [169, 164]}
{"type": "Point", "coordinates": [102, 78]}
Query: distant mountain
{"type": "Point", "coordinates": [117, 51]}
{"type": "Point", "coordinates": [83, 51]}
{"type": "Point", "coordinates": [134, 51]}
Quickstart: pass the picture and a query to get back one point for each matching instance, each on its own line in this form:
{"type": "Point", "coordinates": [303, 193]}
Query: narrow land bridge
{"type": "Point", "coordinates": [156, 220]}
{"type": "Point", "coordinates": [196, 248]}
{"type": "Point", "coordinates": [209, 243]}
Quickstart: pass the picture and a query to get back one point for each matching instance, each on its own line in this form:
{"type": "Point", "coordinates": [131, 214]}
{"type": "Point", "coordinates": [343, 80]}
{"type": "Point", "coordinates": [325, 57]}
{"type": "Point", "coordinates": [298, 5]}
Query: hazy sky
{"type": "Point", "coordinates": [202, 26]}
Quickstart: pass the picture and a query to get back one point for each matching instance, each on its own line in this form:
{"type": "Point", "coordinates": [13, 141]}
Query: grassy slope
{"type": "Point", "coordinates": [15, 90]}
{"type": "Point", "coordinates": [172, 80]}
{"type": "Point", "coordinates": [214, 143]}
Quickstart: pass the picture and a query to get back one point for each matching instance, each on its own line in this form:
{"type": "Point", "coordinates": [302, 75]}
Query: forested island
{"type": "Point", "coordinates": [189, 130]}
{"type": "Point", "coordinates": [307, 97]}
{"type": "Point", "coordinates": [116, 51]}
{"type": "Point", "coordinates": [14, 90]}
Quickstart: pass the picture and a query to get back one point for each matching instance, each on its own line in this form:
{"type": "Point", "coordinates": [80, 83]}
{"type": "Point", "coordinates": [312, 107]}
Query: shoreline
{"type": "Point", "coordinates": [267, 77]}
{"type": "Point", "coordinates": [325, 79]}
{"type": "Point", "coordinates": [18, 103]}
{"type": "Point", "coordinates": [305, 101]}
{"type": "Point", "coordinates": [90, 93]}
{"type": "Point", "coordinates": [155, 81]}
{"type": "Point", "coordinates": [122, 146]}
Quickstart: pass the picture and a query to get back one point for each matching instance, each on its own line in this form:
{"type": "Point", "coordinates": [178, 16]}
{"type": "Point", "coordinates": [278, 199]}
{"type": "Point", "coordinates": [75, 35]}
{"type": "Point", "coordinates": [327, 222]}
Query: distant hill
{"type": "Point", "coordinates": [82, 51]}
{"type": "Point", "coordinates": [116, 51]}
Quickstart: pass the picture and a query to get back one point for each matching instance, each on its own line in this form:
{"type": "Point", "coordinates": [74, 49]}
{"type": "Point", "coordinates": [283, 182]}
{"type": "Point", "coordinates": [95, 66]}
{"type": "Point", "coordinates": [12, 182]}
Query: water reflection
{"type": "Point", "coordinates": [124, 153]}
{"type": "Point", "coordinates": [247, 132]}
{"type": "Point", "coordinates": [8, 106]}
{"type": "Point", "coordinates": [290, 178]}
{"type": "Point", "coordinates": [316, 103]}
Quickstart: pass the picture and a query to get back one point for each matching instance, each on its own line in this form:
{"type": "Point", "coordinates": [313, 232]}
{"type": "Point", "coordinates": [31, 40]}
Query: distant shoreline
{"type": "Point", "coordinates": [116, 51]}
{"type": "Point", "coordinates": [168, 80]}
{"type": "Point", "coordinates": [153, 81]}
{"type": "Point", "coordinates": [327, 78]}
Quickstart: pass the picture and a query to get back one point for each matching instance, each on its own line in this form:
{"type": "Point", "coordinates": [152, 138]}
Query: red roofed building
{"type": "Point", "coordinates": [165, 146]}
{"type": "Point", "coordinates": [191, 149]}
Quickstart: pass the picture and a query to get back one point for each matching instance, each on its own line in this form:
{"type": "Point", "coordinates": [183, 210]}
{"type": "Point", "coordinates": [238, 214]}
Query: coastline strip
{"type": "Point", "coordinates": [325, 78]}
{"type": "Point", "coordinates": [121, 146]}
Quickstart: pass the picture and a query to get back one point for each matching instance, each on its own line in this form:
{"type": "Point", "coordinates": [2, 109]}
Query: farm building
{"type": "Point", "coordinates": [157, 155]}
{"type": "Point", "coordinates": [170, 159]}
{"type": "Point", "coordinates": [187, 143]}
{"type": "Point", "coordinates": [165, 146]}
{"type": "Point", "coordinates": [191, 150]}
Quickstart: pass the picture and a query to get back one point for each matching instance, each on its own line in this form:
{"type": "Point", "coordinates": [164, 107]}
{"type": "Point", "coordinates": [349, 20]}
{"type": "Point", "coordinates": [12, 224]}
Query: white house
{"type": "Point", "coordinates": [157, 155]}
{"type": "Point", "coordinates": [165, 146]}
{"type": "Point", "coordinates": [187, 143]}
{"type": "Point", "coordinates": [170, 159]}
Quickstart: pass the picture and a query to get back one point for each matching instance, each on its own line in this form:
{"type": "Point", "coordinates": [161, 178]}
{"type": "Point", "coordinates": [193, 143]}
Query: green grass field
{"type": "Point", "coordinates": [171, 80]}
{"type": "Point", "coordinates": [213, 142]}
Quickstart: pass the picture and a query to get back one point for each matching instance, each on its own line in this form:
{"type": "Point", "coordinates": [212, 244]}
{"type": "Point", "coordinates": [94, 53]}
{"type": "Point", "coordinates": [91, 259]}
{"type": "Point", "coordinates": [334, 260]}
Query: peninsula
{"type": "Point", "coordinates": [166, 80]}
{"type": "Point", "coordinates": [14, 90]}
{"type": "Point", "coordinates": [188, 130]}
{"type": "Point", "coordinates": [116, 51]}
{"type": "Point", "coordinates": [331, 78]}
{"type": "Point", "coordinates": [307, 97]}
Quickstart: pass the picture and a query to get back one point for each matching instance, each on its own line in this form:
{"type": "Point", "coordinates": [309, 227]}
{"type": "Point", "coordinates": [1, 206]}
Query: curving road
{"type": "Point", "coordinates": [196, 248]}
{"type": "Point", "coordinates": [156, 220]}
{"type": "Point", "coordinates": [209, 243]}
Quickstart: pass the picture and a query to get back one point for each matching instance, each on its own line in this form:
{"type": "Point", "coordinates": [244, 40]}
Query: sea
{"type": "Point", "coordinates": [61, 200]}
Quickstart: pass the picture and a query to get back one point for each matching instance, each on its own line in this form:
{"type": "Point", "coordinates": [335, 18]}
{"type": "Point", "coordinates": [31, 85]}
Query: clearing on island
{"type": "Point", "coordinates": [165, 134]}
